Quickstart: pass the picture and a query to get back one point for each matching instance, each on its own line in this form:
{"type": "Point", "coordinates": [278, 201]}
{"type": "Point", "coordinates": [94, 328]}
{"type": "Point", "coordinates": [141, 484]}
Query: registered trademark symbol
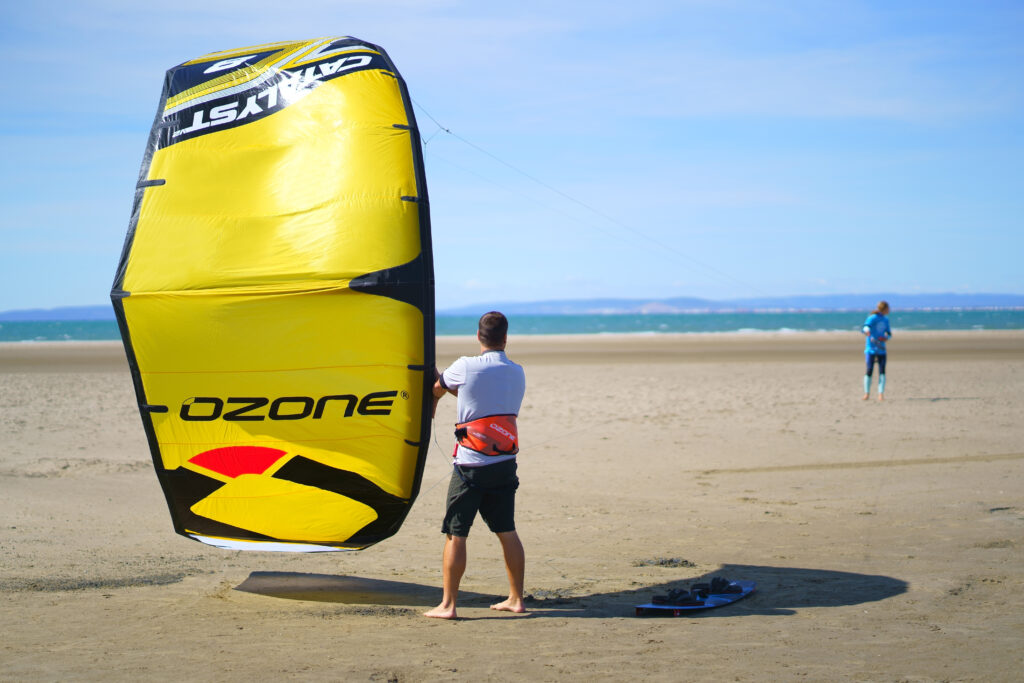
{"type": "Point", "coordinates": [405, 395]}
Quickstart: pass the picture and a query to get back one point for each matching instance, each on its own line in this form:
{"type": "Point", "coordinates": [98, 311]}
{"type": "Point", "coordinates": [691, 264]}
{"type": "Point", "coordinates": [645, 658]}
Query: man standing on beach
{"type": "Point", "coordinates": [484, 480]}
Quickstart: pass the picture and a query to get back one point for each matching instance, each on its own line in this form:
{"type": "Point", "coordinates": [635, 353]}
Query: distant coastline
{"type": "Point", "coordinates": [605, 323]}
{"type": "Point", "coordinates": [784, 304]}
{"type": "Point", "coordinates": [634, 306]}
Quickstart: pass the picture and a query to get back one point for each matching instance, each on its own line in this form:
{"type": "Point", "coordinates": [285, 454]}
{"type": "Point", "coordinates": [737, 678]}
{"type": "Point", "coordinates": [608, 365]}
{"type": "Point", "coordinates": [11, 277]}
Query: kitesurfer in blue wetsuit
{"type": "Point", "coordinates": [490, 391]}
{"type": "Point", "coordinates": [876, 332]}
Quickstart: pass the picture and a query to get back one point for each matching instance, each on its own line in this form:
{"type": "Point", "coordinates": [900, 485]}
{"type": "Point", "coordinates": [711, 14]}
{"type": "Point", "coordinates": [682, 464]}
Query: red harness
{"type": "Point", "coordinates": [492, 435]}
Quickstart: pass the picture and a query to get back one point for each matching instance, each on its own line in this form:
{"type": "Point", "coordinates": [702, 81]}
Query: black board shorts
{"type": "Point", "coordinates": [489, 490]}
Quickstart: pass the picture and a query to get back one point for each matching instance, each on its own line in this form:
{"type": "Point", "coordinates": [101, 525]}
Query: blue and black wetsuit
{"type": "Point", "coordinates": [877, 329]}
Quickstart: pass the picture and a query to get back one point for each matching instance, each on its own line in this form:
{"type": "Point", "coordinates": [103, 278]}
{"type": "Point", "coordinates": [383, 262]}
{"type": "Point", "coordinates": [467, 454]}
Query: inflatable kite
{"type": "Point", "coordinates": [275, 297]}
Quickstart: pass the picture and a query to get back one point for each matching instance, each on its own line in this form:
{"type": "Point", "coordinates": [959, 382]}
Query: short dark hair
{"type": "Point", "coordinates": [493, 328]}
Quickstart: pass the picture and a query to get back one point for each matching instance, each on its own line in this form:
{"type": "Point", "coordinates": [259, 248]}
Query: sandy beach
{"type": "Point", "coordinates": [886, 539]}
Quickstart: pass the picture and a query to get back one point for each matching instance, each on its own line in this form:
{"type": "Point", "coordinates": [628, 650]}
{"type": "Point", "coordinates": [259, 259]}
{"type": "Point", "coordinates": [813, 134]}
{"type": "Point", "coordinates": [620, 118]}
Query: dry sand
{"type": "Point", "coordinates": [887, 539]}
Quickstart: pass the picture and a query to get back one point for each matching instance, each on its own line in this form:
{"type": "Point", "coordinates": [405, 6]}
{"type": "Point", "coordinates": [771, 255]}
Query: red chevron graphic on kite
{"type": "Point", "coordinates": [234, 461]}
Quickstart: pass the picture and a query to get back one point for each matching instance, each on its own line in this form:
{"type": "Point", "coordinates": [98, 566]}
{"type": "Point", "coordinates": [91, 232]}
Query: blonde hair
{"type": "Point", "coordinates": [882, 308]}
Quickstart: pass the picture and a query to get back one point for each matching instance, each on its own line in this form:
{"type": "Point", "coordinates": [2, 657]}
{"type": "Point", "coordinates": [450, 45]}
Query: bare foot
{"type": "Point", "coordinates": [510, 605]}
{"type": "Point", "coordinates": [881, 397]}
{"type": "Point", "coordinates": [442, 612]}
{"type": "Point", "coordinates": [864, 398]}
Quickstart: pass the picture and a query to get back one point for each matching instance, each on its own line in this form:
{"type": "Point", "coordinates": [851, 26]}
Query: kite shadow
{"type": "Point", "coordinates": [350, 590]}
{"type": "Point", "coordinates": [780, 592]}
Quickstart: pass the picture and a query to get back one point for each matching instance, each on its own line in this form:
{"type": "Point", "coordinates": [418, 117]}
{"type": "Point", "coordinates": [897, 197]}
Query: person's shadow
{"type": "Point", "coordinates": [780, 591]}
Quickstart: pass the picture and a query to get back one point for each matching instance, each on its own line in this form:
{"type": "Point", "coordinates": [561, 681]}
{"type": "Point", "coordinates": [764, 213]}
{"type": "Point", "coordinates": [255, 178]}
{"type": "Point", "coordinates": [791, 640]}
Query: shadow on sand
{"type": "Point", "coordinates": [780, 591]}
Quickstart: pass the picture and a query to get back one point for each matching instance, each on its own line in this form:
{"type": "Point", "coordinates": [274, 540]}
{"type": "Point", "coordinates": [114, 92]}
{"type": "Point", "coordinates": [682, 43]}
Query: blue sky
{"type": "Point", "coordinates": [719, 149]}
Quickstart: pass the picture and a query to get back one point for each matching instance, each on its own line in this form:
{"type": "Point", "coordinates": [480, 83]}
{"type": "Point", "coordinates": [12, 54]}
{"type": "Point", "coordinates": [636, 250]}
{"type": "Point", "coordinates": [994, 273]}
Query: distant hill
{"type": "Point", "coordinates": [823, 302]}
{"type": "Point", "coordinates": [63, 313]}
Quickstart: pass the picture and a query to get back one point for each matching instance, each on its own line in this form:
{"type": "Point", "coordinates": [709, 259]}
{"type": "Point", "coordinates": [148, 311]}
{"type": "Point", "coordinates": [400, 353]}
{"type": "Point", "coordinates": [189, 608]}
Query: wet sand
{"type": "Point", "coordinates": [887, 539]}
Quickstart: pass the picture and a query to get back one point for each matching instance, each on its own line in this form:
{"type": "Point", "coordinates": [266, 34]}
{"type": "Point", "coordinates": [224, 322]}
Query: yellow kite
{"type": "Point", "coordinates": [275, 297]}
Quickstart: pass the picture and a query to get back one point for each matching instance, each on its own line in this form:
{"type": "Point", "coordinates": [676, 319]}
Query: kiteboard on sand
{"type": "Point", "coordinates": [716, 593]}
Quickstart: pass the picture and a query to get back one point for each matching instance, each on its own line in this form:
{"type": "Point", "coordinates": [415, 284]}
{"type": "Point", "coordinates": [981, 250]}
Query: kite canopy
{"type": "Point", "coordinates": [275, 297]}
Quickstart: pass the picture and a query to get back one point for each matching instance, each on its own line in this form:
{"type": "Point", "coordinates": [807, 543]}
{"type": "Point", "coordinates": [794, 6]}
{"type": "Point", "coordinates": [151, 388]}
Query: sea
{"type": "Point", "coordinates": [654, 323]}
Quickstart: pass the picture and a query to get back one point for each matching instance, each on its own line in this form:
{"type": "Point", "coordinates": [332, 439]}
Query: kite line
{"type": "Point", "coordinates": [597, 212]}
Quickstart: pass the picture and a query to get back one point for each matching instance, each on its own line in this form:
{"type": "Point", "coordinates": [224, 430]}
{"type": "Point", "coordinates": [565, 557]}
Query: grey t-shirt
{"type": "Point", "coordinates": [488, 384]}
